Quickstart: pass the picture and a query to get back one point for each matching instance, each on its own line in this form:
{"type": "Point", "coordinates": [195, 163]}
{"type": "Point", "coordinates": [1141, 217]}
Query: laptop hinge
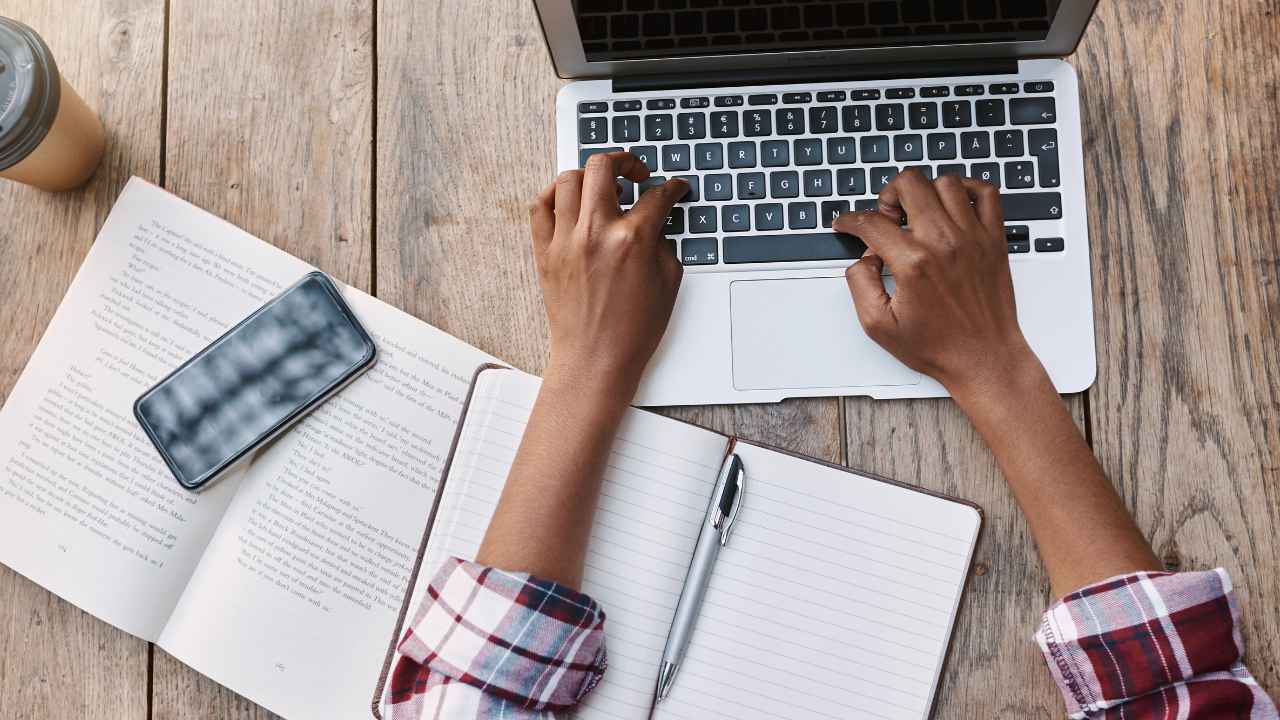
{"type": "Point", "coordinates": [811, 74]}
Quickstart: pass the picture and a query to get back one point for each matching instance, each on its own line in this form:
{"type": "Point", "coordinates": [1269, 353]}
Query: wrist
{"type": "Point", "coordinates": [1006, 376]}
{"type": "Point", "coordinates": [582, 381]}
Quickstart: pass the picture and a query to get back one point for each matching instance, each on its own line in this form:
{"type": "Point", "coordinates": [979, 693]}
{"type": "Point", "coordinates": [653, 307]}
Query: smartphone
{"type": "Point", "coordinates": [251, 384]}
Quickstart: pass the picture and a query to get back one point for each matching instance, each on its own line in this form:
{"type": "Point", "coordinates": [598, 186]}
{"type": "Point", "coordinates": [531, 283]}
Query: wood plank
{"type": "Point", "coordinates": [56, 660]}
{"type": "Point", "coordinates": [1182, 138]}
{"type": "Point", "coordinates": [270, 126]}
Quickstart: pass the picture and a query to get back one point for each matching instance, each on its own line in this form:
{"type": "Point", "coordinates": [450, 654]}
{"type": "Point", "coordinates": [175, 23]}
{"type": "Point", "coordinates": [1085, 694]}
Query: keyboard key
{"type": "Point", "coordinates": [990, 112]}
{"type": "Point", "coordinates": [792, 248]}
{"type": "Point", "coordinates": [831, 96]}
{"type": "Point", "coordinates": [957, 114]}
{"type": "Point", "coordinates": [889, 116]}
{"type": "Point", "coordinates": [851, 181]}
{"type": "Point", "coordinates": [987, 172]}
{"type": "Point", "coordinates": [626, 105]}
{"type": "Point", "coordinates": [969, 90]}
{"type": "Point", "coordinates": [1032, 111]}
{"type": "Point", "coordinates": [880, 177]}
{"type": "Point", "coordinates": [702, 219]}
{"type": "Point", "coordinates": [769, 216]}
{"type": "Point", "coordinates": [729, 101]}
{"type": "Point", "coordinates": [808, 152]}
{"type": "Point", "coordinates": [855, 118]}
{"type": "Point", "coordinates": [708, 156]}
{"type": "Point", "coordinates": [1019, 175]}
{"type": "Point", "coordinates": [628, 194]}
{"type": "Point", "coordinates": [737, 218]}
{"type": "Point", "coordinates": [591, 130]}
{"type": "Point", "coordinates": [1009, 143]}
{"type": "Point", "coordinates": [832, 209]}
{"type": "Point", "coordinates": [724, 124]}
{"type": "Point", "coordinates": [593, 107]}
{"type": "Point", "coordinates": [865, 205]}
{"type": "Point", "coordinates": [1004, 89]}
{"type": "Point", "coordinates": [694, 102]}
{"type": "Point", "coordinates": [864, 94]}
{"type": "Point", "coordinates": [1051, 244]}
{"type": "Point", "coordinates": [692, 126]}
{"type": "Point", "coordinates": [975, 145]}
{"type": "Point", "coordinates": [775, 153]}
{"type": "Point", "coordinates": [1019, 247]}
{"type": "Point", "coordinates": [925, 170]}
{"type": "Point", "coordinates": [817, 183]}
{"type": "Point", "coordinates": [626, 128]}
{"type": "Point", "coordinates": [942, 146]}
{"type": "Point", "coordinates": [899, 93]}
{"type": "Point", "coordinates": [1044, 147]}
{"type": "Point", "coordinates": [875, 148]}
{"type": "Point", "coordinates": [908, 147]}
{"type": "Point", "coordinates": [823, 120]}
{"type": "Point", "coordinates": [675, 222]}
{"type": "Point", "coordinates": [658, 127]}
{"type": "Point", "coordinates": [699, 251]}
{"type": "Point", "coordinates": [756, 123]}
{"type": "Point", "coordinates": [790, 121]}
{"type": "Point", "coordinates": [951, 169]}
{"type": "Point", "coordinates": [585, 153]}
{"type": "Point", "coordinates": [661, 104]}
{"type": "Point", "coordinates": [784, 184]}
{"type": "Point", "coordinates": [718, 186]}
{"type": "Point", "coordinates": [801, 216]}
{"type": "Point", "coordinates": [841, 151]}
{"type": "Point", "coordinates": [796, 98]}
{"type": "Point", "coordinates": [742, 154]}
{"type": "Point", "coordinates": [1032, 206]}
{"type": "Point", "coordinates": [935, 92]}
{"type": "Point", "coordinates": [1038, 86]}
{"type": "Point", "coordinates": [1017, 233]}
{"type": "Point", "coordinates": [763, 99]}
{"type": "Point", "coordinates": [923, 116]}
{"type": "Point", "coordinates": [648, 155]}
{"type": "Point", "coordinates": [693, 195]}
{"type": "Point", "coordinates": [675, 157]}
{"type": "Point", "coordinates": [750, 186]}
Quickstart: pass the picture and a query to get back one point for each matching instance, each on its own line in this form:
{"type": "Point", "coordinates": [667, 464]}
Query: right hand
{"type": "Point", "coordinates": [952, 316]}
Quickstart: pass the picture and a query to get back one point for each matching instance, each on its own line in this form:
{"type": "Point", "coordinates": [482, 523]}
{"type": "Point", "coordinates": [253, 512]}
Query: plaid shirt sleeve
{"type": "Point", "coordinates": [488, 643]}
{"type": "Point", "coordinates": [1152, 645]}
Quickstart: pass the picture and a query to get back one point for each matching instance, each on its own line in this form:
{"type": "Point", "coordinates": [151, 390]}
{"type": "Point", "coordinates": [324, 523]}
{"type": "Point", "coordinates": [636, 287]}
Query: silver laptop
{"type": "Point", "coordinates": [783, 114]}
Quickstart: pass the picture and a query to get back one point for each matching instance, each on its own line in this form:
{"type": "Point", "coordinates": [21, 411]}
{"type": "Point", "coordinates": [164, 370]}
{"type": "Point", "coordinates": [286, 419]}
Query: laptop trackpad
{"type": "Point", "coordinates": [804, 333]}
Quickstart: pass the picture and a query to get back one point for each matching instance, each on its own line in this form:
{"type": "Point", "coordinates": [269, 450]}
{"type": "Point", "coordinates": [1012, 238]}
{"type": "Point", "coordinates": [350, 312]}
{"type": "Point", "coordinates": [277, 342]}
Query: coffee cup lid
{"type": "Point", "coordinates": [30, 91]}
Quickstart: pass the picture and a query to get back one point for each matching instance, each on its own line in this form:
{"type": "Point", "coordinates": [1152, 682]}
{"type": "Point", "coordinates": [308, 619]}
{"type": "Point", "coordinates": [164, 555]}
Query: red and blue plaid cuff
{"type": "Point", "coordinates": [524, 642]}
{"type": "Point", "coordinates": [1152, 645]}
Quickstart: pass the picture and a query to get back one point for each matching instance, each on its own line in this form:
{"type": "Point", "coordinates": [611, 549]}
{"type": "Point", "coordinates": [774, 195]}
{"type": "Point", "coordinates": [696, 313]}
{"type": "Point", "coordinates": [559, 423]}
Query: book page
{"type": "Point", "coordinates": [659, 477]}
{"type": "Point", "coordinates": [87, 507]}
{"type": "Point", "coordinates": [834, 598]}
{"type": "Point", "coordinates": [297, 594]}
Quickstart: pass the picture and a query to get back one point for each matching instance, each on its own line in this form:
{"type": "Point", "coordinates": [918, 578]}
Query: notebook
{"type": "Point", "coordinates": [835, 598]}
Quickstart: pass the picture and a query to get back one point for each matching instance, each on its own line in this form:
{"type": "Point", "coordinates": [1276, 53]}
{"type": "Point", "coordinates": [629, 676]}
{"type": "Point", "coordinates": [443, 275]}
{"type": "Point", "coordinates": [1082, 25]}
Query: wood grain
{"type": "Point", "coordinates": [1181, 147]}
{"type": "Point", "coordinates": [270, 115]}
{"type": "Point", "coordinates": [56, 660]}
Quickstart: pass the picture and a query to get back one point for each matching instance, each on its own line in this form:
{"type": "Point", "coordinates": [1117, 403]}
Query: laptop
{"type": "Point", "coordinates": [782, 114]}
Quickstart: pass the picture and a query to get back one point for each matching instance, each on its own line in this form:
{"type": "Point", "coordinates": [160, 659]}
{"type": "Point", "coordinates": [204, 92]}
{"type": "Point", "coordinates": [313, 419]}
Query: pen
{"type": "Point", "coordinates": [722, 511]}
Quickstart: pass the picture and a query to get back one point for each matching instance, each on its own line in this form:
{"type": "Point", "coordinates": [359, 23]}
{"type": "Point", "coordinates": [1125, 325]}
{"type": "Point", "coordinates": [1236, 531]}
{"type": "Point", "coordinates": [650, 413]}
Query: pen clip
{"type": "Point", "coordinates": [732, 475]}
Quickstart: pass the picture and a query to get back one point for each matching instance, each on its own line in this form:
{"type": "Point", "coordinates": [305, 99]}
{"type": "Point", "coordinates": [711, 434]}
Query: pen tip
{"type": "Point", "coordinates": [666, 676]}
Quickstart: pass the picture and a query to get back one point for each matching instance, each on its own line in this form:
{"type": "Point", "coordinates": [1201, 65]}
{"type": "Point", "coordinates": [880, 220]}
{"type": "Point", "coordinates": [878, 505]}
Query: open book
{"type": "Point", "coordinates": [282, 583]}
{"type": "Point", "coordinates": [835, 597]}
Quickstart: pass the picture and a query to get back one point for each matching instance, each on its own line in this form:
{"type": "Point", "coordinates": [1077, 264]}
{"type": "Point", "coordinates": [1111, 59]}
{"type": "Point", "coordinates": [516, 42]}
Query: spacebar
{"type": "Point", "coordinates": [792, 248]}
{"type": "Point", "coordinates": [1032, 206]}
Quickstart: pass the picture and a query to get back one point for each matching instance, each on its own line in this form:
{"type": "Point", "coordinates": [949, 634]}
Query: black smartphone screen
{"type": "Point", "coordinates": [253, 381]}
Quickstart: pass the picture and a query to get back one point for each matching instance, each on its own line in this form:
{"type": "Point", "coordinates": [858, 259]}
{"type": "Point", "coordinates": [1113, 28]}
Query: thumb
{"type": "Point", "coordinates": [870, 299]}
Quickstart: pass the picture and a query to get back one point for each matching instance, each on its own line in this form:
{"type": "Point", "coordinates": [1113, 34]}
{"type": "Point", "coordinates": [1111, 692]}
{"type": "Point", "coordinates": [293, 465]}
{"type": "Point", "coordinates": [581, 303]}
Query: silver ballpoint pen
{"type": "Point", "coordinates": [722, 511]}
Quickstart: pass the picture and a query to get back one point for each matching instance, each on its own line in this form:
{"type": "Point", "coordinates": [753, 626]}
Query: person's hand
{"type": "Point", "coordinates": [952, 315]}
{"type": "Point", "coordinates": [609, 278]}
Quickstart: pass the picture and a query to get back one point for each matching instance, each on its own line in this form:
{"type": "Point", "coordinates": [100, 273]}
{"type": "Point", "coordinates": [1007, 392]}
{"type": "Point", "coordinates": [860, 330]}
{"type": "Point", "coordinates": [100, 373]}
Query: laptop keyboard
{"type": "Point", "coordinates": [769, 172]}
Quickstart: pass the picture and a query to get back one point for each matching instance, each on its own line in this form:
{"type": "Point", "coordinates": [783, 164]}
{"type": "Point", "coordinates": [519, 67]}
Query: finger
{"type": "Point", "coordinates": [568, 198]}
{"type": "Point", "coordinates": [986, 202]}
{"type": "Point", "coordinates": [655, 204]}
{"type": "Point", "coordinates": [870, 299]}
{"type": "Point", "coordinates": [542, 220]}
{"type": "Point", "coordinates": [599, 194]}
{"type": "Point", "coordinates": [880, 232]}
{"type": "Point", "coordinates": [956, 200]}
{"type": "Point", "coordinates": [914, 193]}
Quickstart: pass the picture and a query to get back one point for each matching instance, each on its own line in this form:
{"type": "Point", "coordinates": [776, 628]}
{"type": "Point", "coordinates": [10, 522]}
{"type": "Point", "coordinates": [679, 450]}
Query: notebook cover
{"type": "Point", "coordinates": [389, 662]}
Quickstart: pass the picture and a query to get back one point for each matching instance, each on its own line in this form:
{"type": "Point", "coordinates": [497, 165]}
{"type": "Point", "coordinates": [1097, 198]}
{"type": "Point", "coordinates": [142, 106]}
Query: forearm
{"type": "Point", "coordinates": [1083, 529]}
{"type": "Point", "coordinates": [544, 517]}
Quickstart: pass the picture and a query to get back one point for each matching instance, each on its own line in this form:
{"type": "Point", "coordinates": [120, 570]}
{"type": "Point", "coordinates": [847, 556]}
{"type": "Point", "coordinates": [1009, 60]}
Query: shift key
{"type": "Point", "coordinates": [1032, 206]}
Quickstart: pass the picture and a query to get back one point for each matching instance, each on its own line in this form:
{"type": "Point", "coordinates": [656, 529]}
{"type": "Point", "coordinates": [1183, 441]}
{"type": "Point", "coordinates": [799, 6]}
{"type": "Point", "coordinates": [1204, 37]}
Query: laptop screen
{"type": "Point", "coordinates": [652, 29]}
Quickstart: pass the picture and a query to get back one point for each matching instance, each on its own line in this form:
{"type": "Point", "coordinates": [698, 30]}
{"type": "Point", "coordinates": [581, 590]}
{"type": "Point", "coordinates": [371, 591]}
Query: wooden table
{"type": "Point", "coordinates": [395, 143]}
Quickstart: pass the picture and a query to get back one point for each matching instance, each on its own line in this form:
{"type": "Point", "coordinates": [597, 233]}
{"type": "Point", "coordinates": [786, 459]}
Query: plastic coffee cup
{"type": "Point", "coordinates": [48, 137]}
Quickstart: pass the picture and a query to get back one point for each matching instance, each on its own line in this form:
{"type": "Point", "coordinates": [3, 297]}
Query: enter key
{"type": "Point", "coordinates": [1043, 145]}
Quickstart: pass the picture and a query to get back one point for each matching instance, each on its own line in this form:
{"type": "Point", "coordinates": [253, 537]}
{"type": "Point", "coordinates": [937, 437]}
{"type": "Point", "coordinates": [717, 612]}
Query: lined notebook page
{"type": "Point", "coordinates": [834, 598]}
{"type": "Point", "coordinates": [655, 491]}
